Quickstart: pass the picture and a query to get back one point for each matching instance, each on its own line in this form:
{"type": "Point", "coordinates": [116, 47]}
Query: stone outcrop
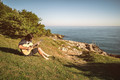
{"type": "Point", "coordinates": [57, 36]}
{"type": "Point", "coordinates": [73, 50]}
{"type": "Point", "coordinates": [76, 48]}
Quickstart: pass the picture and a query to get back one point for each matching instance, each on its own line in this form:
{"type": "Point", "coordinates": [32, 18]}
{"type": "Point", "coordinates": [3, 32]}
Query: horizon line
{"type": "Point", "coordinates": [81, 26]}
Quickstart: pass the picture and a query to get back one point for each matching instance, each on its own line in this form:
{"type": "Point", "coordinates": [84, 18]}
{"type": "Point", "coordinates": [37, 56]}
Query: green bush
{"type": "Point", "coordinates": [15, 23]}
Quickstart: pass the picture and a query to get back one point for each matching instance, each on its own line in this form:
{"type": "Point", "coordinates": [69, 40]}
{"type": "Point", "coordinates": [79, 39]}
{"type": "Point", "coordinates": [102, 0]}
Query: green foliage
{"type": "Point", "coordinates": [4, 10]}
{"type": "Point", "coordinates": [30, 17]}
{"type": "Point", "coordinates": [19, 23]}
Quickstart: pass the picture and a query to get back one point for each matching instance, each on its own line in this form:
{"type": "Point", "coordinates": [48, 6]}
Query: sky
{"type": "Point", "coordinates": [72, 12]}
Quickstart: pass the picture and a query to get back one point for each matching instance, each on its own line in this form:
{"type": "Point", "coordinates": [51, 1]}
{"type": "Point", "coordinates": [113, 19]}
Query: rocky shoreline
{"type": "Point", "coordinates": [78, 48]}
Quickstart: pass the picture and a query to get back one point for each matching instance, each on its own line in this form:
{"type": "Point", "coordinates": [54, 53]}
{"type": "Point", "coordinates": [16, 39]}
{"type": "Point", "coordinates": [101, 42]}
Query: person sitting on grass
{"type": "Point", "coordinates": [26, 47]}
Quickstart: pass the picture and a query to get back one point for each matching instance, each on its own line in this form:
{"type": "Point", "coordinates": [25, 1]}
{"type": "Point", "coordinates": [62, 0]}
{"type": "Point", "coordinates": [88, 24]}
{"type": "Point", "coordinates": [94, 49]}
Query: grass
{"type": "Point", "coordinates": [14, 66]}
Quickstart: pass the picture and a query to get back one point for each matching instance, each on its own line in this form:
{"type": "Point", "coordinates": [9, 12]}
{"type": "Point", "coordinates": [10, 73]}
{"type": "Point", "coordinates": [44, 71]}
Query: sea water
{"type": "Point", "coordinates": [106, 37]}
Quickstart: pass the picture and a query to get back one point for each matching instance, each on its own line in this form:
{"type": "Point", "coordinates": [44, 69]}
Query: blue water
{"type": "Point", "coordinates": [107, 38]}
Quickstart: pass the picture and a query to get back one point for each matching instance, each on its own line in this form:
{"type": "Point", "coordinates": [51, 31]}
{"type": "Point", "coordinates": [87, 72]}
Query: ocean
{"type": "Point", "coordinates": [106, 37]}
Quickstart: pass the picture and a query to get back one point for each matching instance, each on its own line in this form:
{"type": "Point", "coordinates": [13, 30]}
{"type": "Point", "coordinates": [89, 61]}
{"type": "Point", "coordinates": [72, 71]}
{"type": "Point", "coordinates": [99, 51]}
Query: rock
{"type": "Point", "coordinates": [87, 47]}
{"type": "Point", "coordinates": [104, 53]}
{"type": "Point", "coordinates": [80, 53]}
{"type": "Point", "coordinates": [57, 36]}
{"type": "Point", "coordinates": [74, 49]}
{"type": "Point", "coordinates": [84, 46]}
{"type": "Point", "coordinates": [91, 47]}
{"type": "Point", "coordinates": [59, 48]}
{"type": "Point", "coordinates": [68, 47]}
{"type": "Point", "coordinates": [64, 49]}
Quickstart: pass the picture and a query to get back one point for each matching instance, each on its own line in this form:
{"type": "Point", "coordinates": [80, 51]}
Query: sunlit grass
{"type": "Point", "coordinates": [17, 67]}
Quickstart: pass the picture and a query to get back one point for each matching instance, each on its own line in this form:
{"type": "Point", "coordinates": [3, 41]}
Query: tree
{"type": "Point", "coordinates": [19, 23]}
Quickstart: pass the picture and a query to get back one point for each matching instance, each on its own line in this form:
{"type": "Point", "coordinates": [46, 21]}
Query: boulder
{"type": "Point", "coordinates": [57, 36]}
{"type": "Point", "coordinates": [64, 49]}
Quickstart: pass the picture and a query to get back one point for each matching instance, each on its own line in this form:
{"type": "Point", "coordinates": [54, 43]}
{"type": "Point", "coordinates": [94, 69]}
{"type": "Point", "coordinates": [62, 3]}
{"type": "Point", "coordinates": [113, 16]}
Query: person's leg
{"type": "Point", "coordinates": [41, 52]}
{"type": "Point", "coordinates": [35, 50]}
{"type": "Point", "coordinates": [44, 52]}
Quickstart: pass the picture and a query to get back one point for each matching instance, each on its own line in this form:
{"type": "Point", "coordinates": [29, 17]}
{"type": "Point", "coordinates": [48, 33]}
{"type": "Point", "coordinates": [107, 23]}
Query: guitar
{"type": "Point", "coordinates": [31, 45]}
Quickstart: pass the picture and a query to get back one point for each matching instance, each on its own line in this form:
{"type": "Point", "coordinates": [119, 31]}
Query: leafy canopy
{"type": "Point", "coordinates": [15, 23]}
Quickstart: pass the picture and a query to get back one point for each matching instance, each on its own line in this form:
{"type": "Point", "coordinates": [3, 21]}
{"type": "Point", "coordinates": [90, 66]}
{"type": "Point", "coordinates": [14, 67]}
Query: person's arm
{"type": "Point", "coordinates": [22, 47]}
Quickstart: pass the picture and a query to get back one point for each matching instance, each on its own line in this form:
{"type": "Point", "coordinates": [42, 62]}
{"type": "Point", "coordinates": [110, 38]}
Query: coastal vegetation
{"type": "Point", "coordinates": [14, 23]}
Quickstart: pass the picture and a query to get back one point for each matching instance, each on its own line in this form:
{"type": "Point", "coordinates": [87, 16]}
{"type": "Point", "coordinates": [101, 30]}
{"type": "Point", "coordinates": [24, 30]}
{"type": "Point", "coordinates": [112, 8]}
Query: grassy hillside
{"type": "Point", "coordinates": [88, 66]}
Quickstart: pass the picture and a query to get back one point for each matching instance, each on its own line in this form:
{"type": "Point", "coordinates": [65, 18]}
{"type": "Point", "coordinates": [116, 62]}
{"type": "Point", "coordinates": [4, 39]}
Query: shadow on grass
{"type": "Point", "coordinates": [10, 50]}
{"type": "Point", "coordinates": [107, 71]}
{"type": "Point", "coordinates": [85, 56]}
